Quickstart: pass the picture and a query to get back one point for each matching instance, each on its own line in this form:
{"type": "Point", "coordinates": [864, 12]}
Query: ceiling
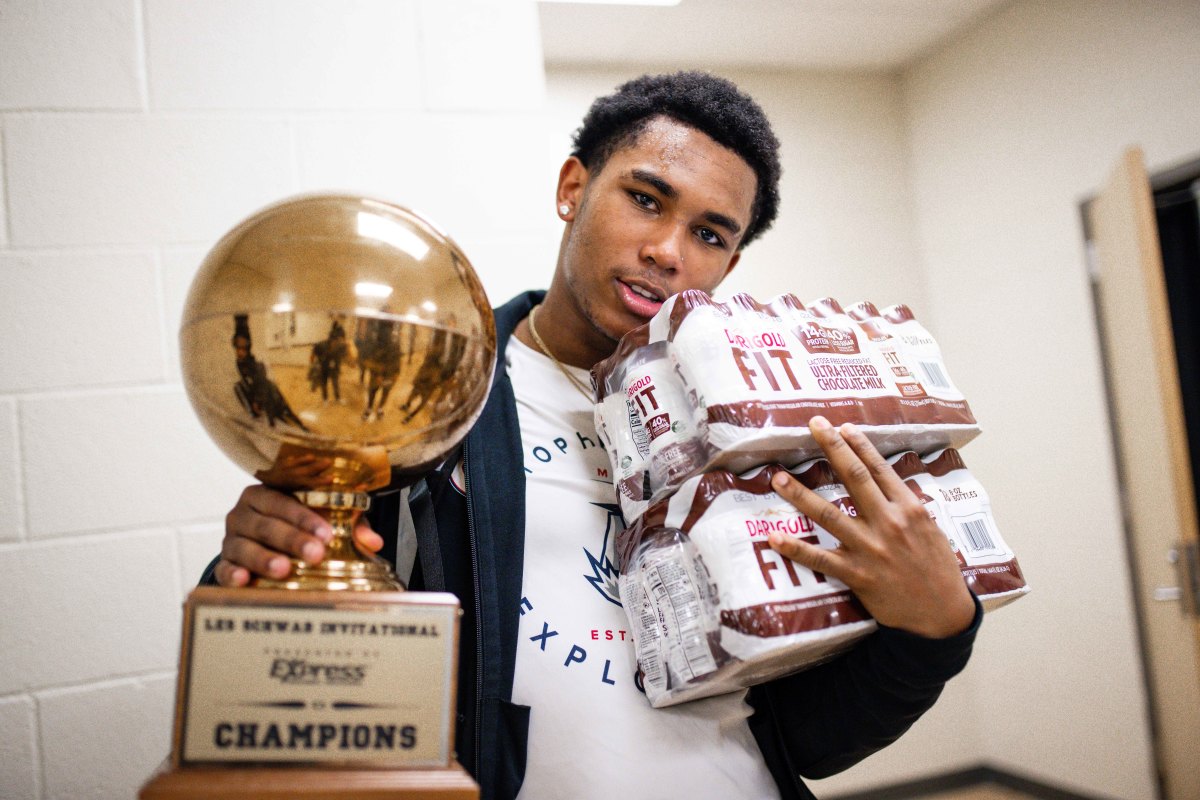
{"type": "Point", "coordinates": [883, 35]}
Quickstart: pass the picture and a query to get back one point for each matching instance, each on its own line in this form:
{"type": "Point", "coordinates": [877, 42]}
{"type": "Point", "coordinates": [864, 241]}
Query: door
{"type": "Point", "coordinates": [1153, 463]}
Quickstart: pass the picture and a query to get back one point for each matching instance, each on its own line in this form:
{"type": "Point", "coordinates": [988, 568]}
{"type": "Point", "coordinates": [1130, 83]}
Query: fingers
{"type": "Point", "coordinates": [258, 560]}
{"type": "Point", "coordinates": [817, 559]}
{"type": "Point", "coordinates": [881, 471]}
{"type": "Point", "coordinates": [267, 529]}
{"type": "Point", "coordinates": [849, 467]}
{"type": "Point", "coordinates": [893, 556]}
{"type": "Point", "coordinates": [229, 574]}
{"type": "Point", "coordinates": [367, 538]}
{"type": "Point", "coordinates": [263, 530]}
{"type": "Point", "coordinates": [273, 505]}
{"type": "Point", "coordinates": [245, 528]}
{"type": "Point", "coordinates": [817, 508]}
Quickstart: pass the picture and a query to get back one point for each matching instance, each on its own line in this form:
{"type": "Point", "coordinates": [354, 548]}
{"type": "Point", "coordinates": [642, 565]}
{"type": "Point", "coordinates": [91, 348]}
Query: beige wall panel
{"type": "Point", "coordinates": [1011, 127]}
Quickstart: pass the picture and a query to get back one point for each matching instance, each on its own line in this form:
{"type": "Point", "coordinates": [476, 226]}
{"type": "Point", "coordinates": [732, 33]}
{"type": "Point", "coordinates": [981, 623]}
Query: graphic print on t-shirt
{"type": "Point", "coordinates": [572, 623]}
{"type": "Point", "coordinates": [590, 725]}
{"type": "Point", "coordinates": [604, 569]}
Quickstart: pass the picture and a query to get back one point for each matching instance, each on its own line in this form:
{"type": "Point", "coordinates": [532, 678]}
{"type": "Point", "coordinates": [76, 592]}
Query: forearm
{"type": "Point", "coordinates": [834, 715]}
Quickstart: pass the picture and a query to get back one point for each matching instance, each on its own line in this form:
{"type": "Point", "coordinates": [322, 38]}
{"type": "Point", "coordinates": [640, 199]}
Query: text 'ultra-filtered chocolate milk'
{"type": "Point", "coordinates": [739, 381]}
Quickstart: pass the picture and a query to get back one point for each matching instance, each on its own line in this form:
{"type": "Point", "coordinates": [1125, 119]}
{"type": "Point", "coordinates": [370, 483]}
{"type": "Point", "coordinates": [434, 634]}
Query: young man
{"type": "Point", "coordinates": [670, 178]}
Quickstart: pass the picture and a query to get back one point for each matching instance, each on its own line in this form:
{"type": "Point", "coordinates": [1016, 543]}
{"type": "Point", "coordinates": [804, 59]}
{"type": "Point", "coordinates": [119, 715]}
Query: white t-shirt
{"type": "Point", "coordinates": [592, 733]}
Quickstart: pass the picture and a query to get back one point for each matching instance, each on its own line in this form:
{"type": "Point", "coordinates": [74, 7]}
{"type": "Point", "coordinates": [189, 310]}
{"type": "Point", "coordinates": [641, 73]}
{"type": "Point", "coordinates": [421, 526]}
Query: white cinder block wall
{"type": "Point", "coordinates": [135, 133]}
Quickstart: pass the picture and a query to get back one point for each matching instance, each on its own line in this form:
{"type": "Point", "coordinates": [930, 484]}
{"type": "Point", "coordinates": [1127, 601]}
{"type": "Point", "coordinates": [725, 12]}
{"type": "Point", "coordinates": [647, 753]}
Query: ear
{"type": "Point", "coordinates": [572, 180]}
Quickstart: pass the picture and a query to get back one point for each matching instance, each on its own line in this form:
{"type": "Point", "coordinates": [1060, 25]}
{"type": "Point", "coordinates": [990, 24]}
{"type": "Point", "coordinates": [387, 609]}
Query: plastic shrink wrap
{"type": "Point", "coordinates": [709, 385]}
{"type": "Point", "coordinates": [714, 609]}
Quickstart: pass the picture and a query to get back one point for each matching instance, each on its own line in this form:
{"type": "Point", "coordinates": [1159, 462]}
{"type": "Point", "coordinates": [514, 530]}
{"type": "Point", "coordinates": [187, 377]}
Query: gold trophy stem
{"type": "Point", "coordinates": [345, 567]}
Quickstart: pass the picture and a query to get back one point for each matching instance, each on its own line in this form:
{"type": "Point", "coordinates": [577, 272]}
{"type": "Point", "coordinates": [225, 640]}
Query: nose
{"type": "Point", "coordinates": [664, 247]}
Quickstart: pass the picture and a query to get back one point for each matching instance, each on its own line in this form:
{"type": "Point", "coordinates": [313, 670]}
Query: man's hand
{"type": "Point", "coordinates": [267, 527]}
{"type": "Point", "coordinates": [892, 555]}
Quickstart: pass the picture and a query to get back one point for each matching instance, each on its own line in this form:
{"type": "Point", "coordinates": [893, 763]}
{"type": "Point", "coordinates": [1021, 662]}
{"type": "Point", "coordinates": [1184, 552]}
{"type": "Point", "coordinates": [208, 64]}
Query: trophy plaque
{"type": "Point", "coordinates": [330, 344]}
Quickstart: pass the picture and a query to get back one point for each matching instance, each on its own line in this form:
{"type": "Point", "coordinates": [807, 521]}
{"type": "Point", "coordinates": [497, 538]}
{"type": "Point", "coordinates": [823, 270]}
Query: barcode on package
{"type": "Point", "coordinates": [975, 535]}
{"type": "Point", "coordinates": [933, 374]}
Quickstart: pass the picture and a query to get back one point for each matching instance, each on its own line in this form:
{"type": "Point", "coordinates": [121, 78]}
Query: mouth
{"type": "Point", "coordinates": [640, 300]}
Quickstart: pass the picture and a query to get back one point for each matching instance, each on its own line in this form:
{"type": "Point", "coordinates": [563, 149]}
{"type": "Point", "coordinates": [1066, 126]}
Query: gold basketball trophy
{"type": "Point", "coordinates": [327, 341]}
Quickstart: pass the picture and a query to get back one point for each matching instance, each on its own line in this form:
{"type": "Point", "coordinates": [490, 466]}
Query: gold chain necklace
{"type": "Point", "coordinates": [578, 384]}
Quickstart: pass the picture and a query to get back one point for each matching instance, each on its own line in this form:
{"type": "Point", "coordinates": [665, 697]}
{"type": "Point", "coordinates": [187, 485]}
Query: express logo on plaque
{"type": "Point", "coordinates": [291, 670]}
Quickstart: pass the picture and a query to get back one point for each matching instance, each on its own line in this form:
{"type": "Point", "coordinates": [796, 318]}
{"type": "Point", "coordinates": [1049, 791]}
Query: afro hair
{"type": "Point", "coordinates": [710, 104]}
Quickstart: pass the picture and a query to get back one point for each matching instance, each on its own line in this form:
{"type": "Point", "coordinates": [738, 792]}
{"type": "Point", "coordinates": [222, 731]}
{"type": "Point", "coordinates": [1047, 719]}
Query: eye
{"type": "Point", "coordinates": [644, 200]}
{"type": "Point", "coordinates": [710, 237]}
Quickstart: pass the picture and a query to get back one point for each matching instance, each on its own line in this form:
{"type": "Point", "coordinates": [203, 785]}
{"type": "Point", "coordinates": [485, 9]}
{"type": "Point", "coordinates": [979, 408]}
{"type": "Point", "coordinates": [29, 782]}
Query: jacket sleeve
{"type": "Point", "coordinates": [209, 576]}
{"type": "Point", "coordinates": [821, 721]}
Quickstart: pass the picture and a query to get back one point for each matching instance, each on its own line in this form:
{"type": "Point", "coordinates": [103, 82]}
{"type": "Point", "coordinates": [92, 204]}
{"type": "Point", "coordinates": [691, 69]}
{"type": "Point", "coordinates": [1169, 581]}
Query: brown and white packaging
{"type": "Point", "coordinates": [744, 380]}
{"type": "Point", "coordinates": [647, 425]}
{"type": "Point", "coordinates": [928, 400]}
{"type": "Point", "coordinates": [879, 333]}
{"type": "Point", "coordinates": [714, 609]}
{"type": "Point", "coordinates": [960, 506]}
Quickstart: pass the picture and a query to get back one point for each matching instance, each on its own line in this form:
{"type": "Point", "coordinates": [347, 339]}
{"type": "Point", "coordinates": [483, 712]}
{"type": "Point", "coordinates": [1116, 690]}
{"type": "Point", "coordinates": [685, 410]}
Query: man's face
{"type": "Point", "coordinates": [662, 215]}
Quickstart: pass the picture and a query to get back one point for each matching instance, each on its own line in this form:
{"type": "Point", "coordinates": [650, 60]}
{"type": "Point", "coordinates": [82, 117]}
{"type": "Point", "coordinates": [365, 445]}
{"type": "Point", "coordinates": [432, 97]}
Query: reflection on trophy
{"type": "Point", "coordinates": [328, 344]}
{"type": "Point", "coordinates": [264, 344]}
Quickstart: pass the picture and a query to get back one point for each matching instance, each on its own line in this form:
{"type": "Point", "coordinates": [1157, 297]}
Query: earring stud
{"type": "Point", "coordinates": [564, 209]}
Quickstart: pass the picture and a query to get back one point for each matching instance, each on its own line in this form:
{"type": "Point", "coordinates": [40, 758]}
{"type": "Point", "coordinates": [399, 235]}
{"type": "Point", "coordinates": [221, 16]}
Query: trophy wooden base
{"type": "Point", "coordinates": [315, 695]}
{"type": "Point", "coordinates": [308, 783]}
